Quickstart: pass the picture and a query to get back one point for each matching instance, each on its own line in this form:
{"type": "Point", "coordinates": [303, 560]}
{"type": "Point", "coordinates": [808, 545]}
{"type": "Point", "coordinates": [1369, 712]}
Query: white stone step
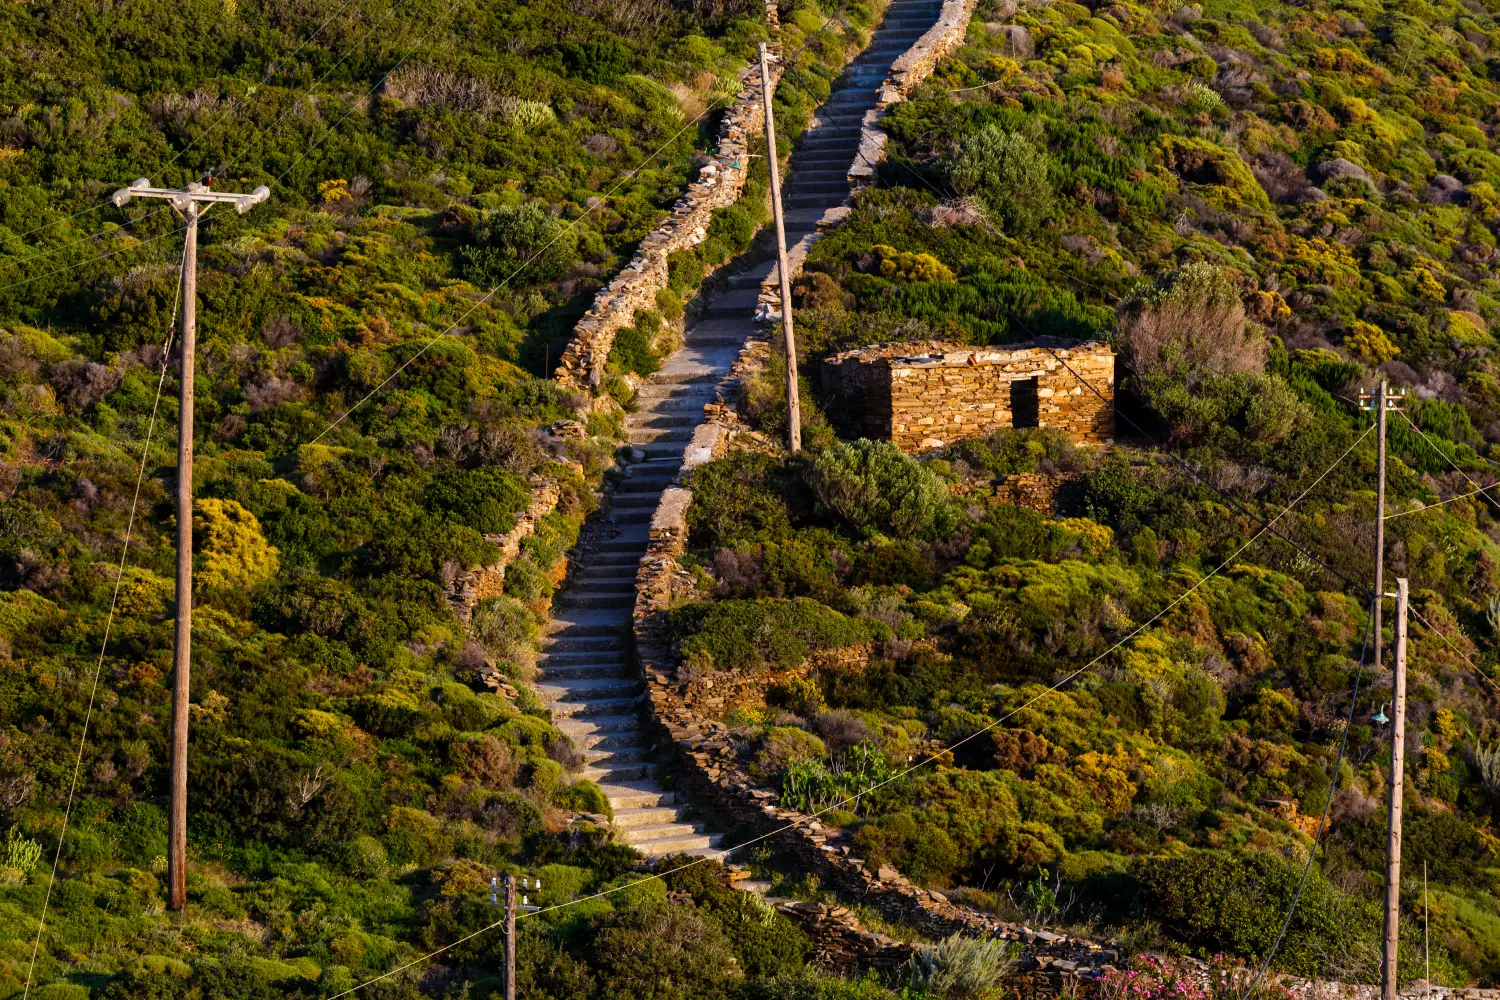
{"type": "Point", "coordinates": [636, 794]}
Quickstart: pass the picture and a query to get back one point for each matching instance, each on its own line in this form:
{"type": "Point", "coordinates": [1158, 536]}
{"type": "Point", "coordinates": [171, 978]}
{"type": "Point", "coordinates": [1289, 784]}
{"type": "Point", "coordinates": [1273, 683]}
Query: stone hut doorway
{"type": "Point", "coordinates": [1025, 404]}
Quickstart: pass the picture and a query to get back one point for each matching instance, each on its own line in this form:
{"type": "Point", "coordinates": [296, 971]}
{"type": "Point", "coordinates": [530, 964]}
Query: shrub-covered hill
{"type": "Point", "coordinates": [354, 785]}
{"type": "Point", "coordinates": [1265, 207]}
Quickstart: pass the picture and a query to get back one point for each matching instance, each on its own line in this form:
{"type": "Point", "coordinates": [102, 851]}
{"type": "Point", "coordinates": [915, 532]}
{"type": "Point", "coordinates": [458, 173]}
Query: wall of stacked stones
{"type": "Point", "coordinates": [478, 583]}
{"type": "Point", "coordinates": [720, 183]}
{"type": "Point", "coordinates": [927, 395]}
{"type": "Point", "coordinates": [933, 404]}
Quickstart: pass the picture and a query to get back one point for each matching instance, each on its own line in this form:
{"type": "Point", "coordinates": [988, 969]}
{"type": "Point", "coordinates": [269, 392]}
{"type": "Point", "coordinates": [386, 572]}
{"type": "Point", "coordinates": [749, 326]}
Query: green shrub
{"type": "Point", "coordinates": [1252, 894]}
{"type": "Point", "coordinates": [959, 966]}
{"type": "Point", "coordinates": [486, 500]}
{"type": "Point", "coordinates": [873, 486]}
{"type": "Point", "coordinates": [522, 245]}
{"type": "Point", "coordinates": [583, 796]}
{"type": "Point", "coordinates": [767, 633]}
{"type": "Point", "coordinates": [1009, 172]}
{"type": "Point", "coordinates": [784, 746]}
{"type": "Point", "coordinates": [921, 852]}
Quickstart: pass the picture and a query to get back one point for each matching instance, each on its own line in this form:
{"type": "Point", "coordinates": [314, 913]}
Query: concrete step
{"type": "Point", "coordinates": [731, 304]}
{"type": "Point", "coordinates": [601, 572]}
{"type": "Point", "coordinates": [608, 757]}
{"type": "Point", "coordinates": [646, 419]}
{"type": "Point", "coordinates": [589, 689]}
{"type": "Point", "coordinates": [813, 200]}
{"type": "Point", "coordinates": [636, 794]}
{"type": "Point", "coordinates": [570, 633]}
{"type": "Point", "coordinates": [588, 726]}
{"type": "Point", "coordinates": [648, 435]}
{"type": "Point", "coordinates": [628, 501]}
{"type": "Point", "coordinates": [645, 816]}
{"type": "Point", "coordinates": [572, 599]}
{"type": "Point", "coordinates": [603, 706]}
{"type": "Point", "coordinates": [688, 843]}
{"type": "Point", "coordinates": [606, 656]}
{"type": "Point", "coordinates": [614, 560]}
{"type": "Point", "coordinates": [604, 740]}
{"type": "Point", "coordinates": [803, 185]}
{"type": "Point", "coordinates": [619, 772]}
{"type": "Point", "coordinates": [557, 673]}
{"type": "Point", "coordinates": [659, 831]}
{"type": "Point", "coordinates": [627, 541]}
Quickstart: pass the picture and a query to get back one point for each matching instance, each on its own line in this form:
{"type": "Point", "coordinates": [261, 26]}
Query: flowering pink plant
{"type": "Point", "coordinates": [1152, 977]}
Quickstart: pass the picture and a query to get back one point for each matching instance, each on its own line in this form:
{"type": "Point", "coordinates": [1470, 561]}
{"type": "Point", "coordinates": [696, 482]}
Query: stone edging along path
{"type": "Point", "coordinates": [719, 184]}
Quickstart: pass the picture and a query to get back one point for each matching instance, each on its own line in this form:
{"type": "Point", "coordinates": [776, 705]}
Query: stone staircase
{"type": "Point", "coordinates": [587, 678]}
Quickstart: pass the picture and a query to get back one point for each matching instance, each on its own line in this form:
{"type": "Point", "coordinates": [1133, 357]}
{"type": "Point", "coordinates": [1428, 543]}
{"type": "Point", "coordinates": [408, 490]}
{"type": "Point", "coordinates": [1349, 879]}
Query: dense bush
{"type": "Point", "coordinates": [768, 633]}
{"type": "Point", "coordinates": [872, 485]}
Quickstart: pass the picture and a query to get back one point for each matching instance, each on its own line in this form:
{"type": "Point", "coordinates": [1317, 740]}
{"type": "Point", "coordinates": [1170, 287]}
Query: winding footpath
{"type": "Point", "coordinates": [588, 679]}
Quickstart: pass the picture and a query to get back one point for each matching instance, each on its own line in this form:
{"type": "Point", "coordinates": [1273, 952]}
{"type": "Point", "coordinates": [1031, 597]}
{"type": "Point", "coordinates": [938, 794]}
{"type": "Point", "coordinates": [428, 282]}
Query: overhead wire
{"type": "Point", "coordinates": [1333, 785]}
{"type": "Point", "coordinates": [1191, 470]}
{"type": "Point", "coordinates": [1051, 689]}
{"type": "Point", "coordinates": [786, 61]}
{"type": "Point", "coordinates": [109, 621]}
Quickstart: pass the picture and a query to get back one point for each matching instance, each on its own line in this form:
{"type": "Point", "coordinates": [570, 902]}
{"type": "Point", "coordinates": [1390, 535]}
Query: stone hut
{"type": "Point", "coordinates": [927, 395]}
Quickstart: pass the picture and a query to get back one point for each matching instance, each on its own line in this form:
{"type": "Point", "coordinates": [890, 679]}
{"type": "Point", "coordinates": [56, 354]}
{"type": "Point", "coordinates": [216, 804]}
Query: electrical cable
{"type": "Point", "coordinates": [1191, 470]}
{"type": "Point", "coordinates": [728, 99]}
{"type": "Point", "coordinates": [1441, 503]}
{"type": "Point", "coordinates": [104, 644]}
{"type": "Point", "coordinates": [1053, 688]}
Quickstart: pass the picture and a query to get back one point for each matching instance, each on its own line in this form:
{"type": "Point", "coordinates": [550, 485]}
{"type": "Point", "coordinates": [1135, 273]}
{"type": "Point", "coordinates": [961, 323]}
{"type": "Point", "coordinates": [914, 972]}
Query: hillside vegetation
{"type": "Point", "coordinates": [1265, 208]}
{"type": "Point", "coordinates": [355, 784]}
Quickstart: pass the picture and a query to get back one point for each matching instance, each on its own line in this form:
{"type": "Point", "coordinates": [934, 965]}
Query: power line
{"type": "Point", "coordinates": [727, 99]}
{"type": "Point", "coordinates": [1441, 503]}
{"type": "Point", "coordinates": [109, 621]}
{"type": "Point", "coordinates": [1052, 689]}
{"type": "Point", "coordinates": [1333, 785]}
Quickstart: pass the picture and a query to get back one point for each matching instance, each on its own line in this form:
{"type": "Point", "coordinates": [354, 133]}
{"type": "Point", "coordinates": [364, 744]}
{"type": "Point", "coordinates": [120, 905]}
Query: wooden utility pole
{"type": "Point", "coordinates": [190, 203]}
{"type": "Point", "coordinates": [511, 908]}
{"type": "Point", "coordinates": [1379, 402]}
{"type": "Point", "coordinates": [793, 406]}
{"type": "Point", "coordinates": [510, 937]}
{"type": "Point", "coordinates": [1393, 828]}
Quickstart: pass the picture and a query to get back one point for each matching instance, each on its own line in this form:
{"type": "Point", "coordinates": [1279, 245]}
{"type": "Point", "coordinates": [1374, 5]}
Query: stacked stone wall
{"type": "Point", "coordinates": [923, 401]}
{"type": "Point", "coordinates": [478, 583]}
{"type": "Point", "coordinates": [720, 183]}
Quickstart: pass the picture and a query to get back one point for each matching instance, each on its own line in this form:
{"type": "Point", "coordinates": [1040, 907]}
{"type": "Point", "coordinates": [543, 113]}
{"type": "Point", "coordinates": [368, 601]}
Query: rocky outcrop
{"type": "Point", "coordinates": [479, 583]}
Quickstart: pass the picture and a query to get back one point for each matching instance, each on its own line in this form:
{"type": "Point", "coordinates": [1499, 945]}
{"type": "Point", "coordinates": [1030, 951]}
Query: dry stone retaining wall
{"type": "Point", "coordinates": [479, 583]}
